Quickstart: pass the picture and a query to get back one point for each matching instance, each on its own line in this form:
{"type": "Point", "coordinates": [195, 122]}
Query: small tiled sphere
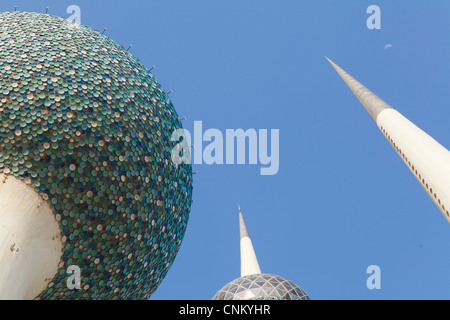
{"type": "Point", "coordinates": [261, 287]}
{"type": "Point", "coordinates": [85, 124]}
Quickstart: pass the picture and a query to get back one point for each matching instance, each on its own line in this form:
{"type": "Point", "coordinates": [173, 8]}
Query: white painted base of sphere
{"type": "Point", "coordinates": [30, 241]}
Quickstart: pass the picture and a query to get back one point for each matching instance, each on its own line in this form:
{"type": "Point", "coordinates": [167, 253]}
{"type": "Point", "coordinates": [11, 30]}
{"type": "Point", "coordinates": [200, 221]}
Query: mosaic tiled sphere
{"type": "Point", "coordinates": [261, 287]}
{"type": "Point", "coordinates": [86, 125]}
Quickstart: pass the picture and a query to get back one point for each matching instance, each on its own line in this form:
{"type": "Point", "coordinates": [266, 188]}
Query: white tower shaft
{"type": "Point", "coordinates": [428, 160]}
{"type": "Point", "coordinates": [30, 241]}
{"type": "Point", "coordinates": [249, 262]}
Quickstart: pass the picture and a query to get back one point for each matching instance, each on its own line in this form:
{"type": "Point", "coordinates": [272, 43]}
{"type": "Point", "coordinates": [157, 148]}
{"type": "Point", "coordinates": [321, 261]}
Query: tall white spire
{"type": "Point", "coordinates": [249, 262]}
{"type": "Point", "coordinates": [425, 157]}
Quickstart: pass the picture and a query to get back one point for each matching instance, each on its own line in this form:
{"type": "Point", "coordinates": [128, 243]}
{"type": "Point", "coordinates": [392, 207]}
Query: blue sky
{"type": "Point", "coordinates": [342, 199]}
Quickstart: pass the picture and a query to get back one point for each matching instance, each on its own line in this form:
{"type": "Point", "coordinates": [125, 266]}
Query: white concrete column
{"type": "Point", "coordinates": [30, 241]}
{"type": "Point", "coordinates": [249, 262]}
{"type": "Point", "coordinates": [428, 160]}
